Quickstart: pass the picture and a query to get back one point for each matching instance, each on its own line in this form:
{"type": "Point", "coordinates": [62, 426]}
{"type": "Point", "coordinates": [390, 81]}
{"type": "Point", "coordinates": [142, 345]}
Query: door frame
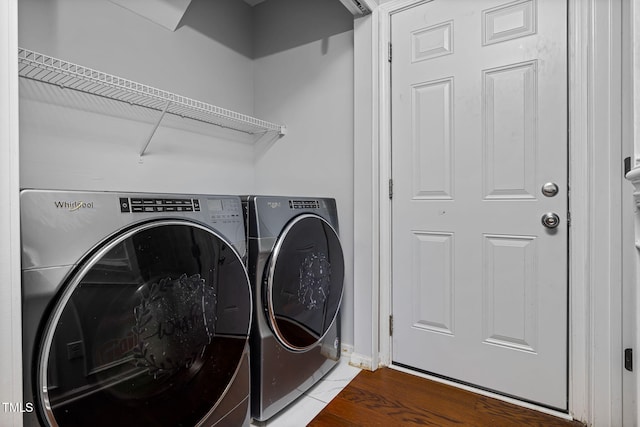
{"type": "Point", "coordinates": [552, 363]}
{"type": "Point", "coordinates": [10, 291]}
{"type": "Point", "coordinates": [595, 178]}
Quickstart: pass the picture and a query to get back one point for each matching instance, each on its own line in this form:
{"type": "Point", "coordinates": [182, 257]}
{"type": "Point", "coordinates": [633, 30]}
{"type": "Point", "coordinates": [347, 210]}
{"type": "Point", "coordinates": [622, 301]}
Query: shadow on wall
{"type": "Point", "coordinates": [269, 27]}
{"type": "Point", "coordinates": [228, 22]}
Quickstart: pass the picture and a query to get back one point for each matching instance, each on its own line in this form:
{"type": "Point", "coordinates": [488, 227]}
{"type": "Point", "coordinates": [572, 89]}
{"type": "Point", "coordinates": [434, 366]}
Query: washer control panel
{"type": "Point", "coordinates": [223, 210]}
{"type": "Point", "coordinates": [215, 210]}
{"type": "Point", "coordinates": [304, 204]}
{"type": "Point", "coordinates": [143, 204]}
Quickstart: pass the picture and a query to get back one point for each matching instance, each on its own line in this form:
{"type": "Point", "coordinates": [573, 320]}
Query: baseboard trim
{"type": "Point", "coordinates": [359, 360]}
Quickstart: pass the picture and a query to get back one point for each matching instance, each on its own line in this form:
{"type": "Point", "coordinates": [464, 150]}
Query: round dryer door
{"type": "Point", "coordinates": [304, 282]}
{"type": "Point", "coordinates": [149, 330]}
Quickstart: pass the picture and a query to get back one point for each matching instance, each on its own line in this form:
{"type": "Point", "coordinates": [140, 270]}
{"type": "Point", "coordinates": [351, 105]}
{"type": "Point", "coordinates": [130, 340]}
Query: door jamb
{"type": "Point", "coordinates": [10, 292]}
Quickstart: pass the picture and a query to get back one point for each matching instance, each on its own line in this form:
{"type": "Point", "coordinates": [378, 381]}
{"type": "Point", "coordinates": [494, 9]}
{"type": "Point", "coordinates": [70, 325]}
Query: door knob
{"type": "Point", "coordinates": [550, 189]}
{"type": "Point", "coordinates": [550, 220]}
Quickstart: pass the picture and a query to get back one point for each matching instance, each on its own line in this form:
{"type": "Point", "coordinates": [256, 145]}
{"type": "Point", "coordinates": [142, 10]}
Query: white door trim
{"type": "Point", "coordinates": [595, 179]}
{"type": "Point", "coordinates": [10, 290]}
{"type": "Point", "coordinates": [631, 210]}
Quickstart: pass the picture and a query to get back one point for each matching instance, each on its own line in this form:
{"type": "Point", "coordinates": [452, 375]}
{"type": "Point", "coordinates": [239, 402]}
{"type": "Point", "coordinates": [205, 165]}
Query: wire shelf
{"type": "Point", "coordinates": [43, 68]}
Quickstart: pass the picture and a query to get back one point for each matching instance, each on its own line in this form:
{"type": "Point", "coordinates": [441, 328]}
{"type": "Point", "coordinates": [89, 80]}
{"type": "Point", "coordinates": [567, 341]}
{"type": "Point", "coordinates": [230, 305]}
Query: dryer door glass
{"type": "Point", "coordinates": [149, 331]}
{"type": "Point", "coordinates": [304, 282]}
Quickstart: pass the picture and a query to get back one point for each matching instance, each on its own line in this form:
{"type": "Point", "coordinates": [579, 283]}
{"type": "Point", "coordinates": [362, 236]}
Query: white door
{"type": "Point", "coordinates": [479, 119]}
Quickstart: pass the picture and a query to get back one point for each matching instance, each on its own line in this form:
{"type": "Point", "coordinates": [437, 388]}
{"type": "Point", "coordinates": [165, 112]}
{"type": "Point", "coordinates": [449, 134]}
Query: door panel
{"type": "Point", "coordinates": [509, 128]}
{"type": "Point", "coordinates": [479, 125]}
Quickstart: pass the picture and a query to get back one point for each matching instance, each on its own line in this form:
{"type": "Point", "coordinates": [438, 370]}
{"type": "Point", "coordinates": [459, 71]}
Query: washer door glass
{"type": "Point", "coordinates": [304, 282]}
{"type": "Point", "coordinates": [149, 331]}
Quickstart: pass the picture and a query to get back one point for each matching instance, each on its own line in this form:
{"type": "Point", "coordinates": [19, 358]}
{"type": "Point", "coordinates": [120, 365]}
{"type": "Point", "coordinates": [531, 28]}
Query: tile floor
{"type": "Point", "coordinates": [307, 406]}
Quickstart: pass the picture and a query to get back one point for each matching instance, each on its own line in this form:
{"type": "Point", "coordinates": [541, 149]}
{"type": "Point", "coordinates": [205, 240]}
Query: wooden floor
{"type": "Point", "coordinates": [388, 398]}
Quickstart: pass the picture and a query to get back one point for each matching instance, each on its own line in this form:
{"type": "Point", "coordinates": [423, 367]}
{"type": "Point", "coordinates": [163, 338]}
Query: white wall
{"type": "Point", "coordinates": [71, 141]}
{"type": "Point", "coordinates": [304, 78]}
{"type": "Point", "coordinates": [208, 57]}
{"type": "Point", "coordinates": [286, 61]}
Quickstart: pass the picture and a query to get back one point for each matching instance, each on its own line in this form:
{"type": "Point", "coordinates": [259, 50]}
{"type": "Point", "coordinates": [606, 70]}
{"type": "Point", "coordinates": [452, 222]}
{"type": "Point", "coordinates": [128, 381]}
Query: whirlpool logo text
{"type": "Point", "coordinates": [73, 206]}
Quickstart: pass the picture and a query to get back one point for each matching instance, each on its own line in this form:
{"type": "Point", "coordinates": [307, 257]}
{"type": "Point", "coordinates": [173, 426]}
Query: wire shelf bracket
{"type": "Point", "coordinates": [47, 69]}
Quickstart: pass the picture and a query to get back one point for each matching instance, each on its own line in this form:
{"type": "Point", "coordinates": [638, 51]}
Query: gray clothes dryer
{"type": "Point", "coordinates": [296, 265]}
{"type": "Point", "coordinates": [136, 309]}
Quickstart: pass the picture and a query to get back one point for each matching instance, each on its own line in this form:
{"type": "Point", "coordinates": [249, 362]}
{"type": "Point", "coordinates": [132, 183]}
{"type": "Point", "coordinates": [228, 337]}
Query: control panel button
{"type": "Point", "coordinates": [124, 205]}
{"type": "Point", "coordinates": [145, 204]}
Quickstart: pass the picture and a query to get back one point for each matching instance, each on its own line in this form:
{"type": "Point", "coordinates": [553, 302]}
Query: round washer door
{"type": "Point", "coordinates": [304, 282]}
{"type": "Point", "coordinates": [149, 330]}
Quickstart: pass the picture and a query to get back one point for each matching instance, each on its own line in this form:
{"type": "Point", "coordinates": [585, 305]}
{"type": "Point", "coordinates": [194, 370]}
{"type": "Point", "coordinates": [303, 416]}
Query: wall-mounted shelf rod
{"type": "Point", "coordinates": [43, 68]}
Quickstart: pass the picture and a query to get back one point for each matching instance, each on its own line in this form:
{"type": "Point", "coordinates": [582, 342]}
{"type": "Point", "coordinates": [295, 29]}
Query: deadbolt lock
{"type": "Point", "coordinates": [550, 220]}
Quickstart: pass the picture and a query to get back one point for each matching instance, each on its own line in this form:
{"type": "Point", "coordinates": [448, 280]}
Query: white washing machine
{"type": "Point", "coordinates": [136, 309]}
{"type": "Point", "coordinates": [296, 266]}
